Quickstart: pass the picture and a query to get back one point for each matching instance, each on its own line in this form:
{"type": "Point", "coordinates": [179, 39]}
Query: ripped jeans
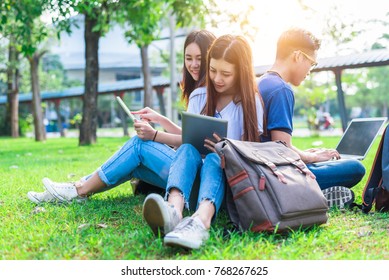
{"type": "Point", "coordinates": [146, 160]}
{"type": "Point", "coordinates": [184, 168]}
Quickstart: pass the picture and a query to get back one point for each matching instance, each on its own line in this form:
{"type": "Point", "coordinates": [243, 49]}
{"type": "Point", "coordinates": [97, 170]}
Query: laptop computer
{"type": "Point", "coordinates": [196, 128]}
{"type": "Point", "coordinates": [359, 137]}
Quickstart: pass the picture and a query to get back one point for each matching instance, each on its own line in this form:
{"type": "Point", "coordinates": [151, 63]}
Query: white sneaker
{"type": "Point", "coordinates": [189, 233]}
{"type": "Point", "coordinates": [41, 197]}
{"type": "Point", "coordinates": [64, 192]}
{"type": "Point", "coordinates": [159, 214]}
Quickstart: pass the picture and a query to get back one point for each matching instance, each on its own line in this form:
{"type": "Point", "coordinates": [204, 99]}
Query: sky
{"type": "Point", "coordinates": [271, 17]}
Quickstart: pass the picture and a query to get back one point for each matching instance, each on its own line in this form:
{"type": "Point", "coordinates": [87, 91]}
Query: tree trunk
{"type": "Point", "coordinates": [12, 113]}
{"type": "Point", "coordinates": [123, 117]}
{"type": "Point", "coordinates": [147, 101]}
{"type": "Point", "coordinates": [171, 106]}
{"type": "Point", "coordinates": [39, 128]}
{"type": "Point", "coordinates": [161, 101]}
{"type": "Point", "coordinates": [57, 103]}
{"type": "Point", "coordinates": [88, 126]}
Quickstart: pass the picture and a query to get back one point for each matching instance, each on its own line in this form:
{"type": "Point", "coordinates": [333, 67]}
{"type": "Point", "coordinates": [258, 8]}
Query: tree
{"type": "Point", "coordinates": [34, 58]}
{"type": "Point", "coordinates": [309, 98]}
{"type": "Point", "coordinates": [33, 50]}
{"type": "Point", "coordinates": [379, 75]}
{"type": "Point", "coordinates": [26, 37]}
{"type": "Point", "coordinates": [143, 32]}
{"type": "Point", "coordinates": [340, 33]}
{"type": "Point", "coordinates": [12, 110]}
{"type": "Point", "coordinates": [236, 20]}
{"type": "Point", "coordinates": [369, 88]}
{"type": "Point", "coordinates": [8, 26]}
{"type": "Point", "coordinates": [97, 15]}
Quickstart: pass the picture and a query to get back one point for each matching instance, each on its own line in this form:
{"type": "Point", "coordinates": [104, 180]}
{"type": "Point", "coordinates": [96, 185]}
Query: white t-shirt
{"type": "Point", "coordinates": [233, 113]}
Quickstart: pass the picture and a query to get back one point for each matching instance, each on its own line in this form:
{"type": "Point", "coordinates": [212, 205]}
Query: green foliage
{"type": "Point", "coordinates": [233, 16]}
{"type": "Point", "coordinates": [341, 30]}
{"type": "Point", "coordinates": [140, 31]}
{"type": "Point", "coordinates": [109, 226]}
{"type": "Point", "coordinates": [133, 13]}
{"type": "Point", "coordinates": [20, 19]}
{"type": "Point", "coordinates": [311, 96]}
{"type": "Point", "coordinates": [52, 76]}
{"type": "Point", "coordinates": [25, 122]}
{"type": "Point", "coordinates": [378, 77]}
{"type": "Point", "coordinates": [3, 76]}
{"type": "Point", "coordinates": [2, 120]}
{"type": "Point", "coordinates": [367, 89]}
{"type": "Point", "coordinates": [76, 120]}
{"type": "Point", "coordinates": [100, 10]}
{"type": "Point", "coordinates": [190, 12]}
{"type": "Point", "coordinates": [312, 93]}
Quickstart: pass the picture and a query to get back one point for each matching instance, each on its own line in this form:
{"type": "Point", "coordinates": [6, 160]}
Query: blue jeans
{"type": "Point", "coordinates": [187, 163]}
{"type": "Point", "coordinates": [146, 160]}
{"type": "Point", "coordinates": [343, 172]}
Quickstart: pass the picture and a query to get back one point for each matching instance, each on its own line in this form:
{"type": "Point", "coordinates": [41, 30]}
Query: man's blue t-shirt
{"type": "Point", "coordinates": [278, 98]}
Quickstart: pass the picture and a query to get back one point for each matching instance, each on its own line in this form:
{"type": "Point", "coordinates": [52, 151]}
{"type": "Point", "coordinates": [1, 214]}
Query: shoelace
{"type": "Point", "coordinates": [64, 185]}
{"type": "Point", "coordinates": [188, 224]}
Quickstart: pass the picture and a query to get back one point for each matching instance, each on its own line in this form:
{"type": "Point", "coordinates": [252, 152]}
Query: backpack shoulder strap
{"type": "Point", "coordinates": [223, 147]}
{"type": "Point", "coordinates": [385, 162]}
{"type": "Point", "coordinates": [375, 178]}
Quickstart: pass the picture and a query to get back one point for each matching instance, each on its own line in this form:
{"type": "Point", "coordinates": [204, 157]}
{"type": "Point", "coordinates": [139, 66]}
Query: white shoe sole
{"type": "Point", "coordinates": [176, 242]}
{"type": "Point", "coordinates": [37, 198]}
{"type": "Point", "coordinates": [31, 196]}
{"type": "Point", "coordinates": [156, 215]}
{"type": "Point", "coordinates": [338, 196]}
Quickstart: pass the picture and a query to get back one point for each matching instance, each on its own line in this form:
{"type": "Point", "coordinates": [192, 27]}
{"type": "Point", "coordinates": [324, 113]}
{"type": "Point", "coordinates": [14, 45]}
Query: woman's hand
{"type": "Point", "coordinates": [149, 115]}
{"type": "Point", "coordinates": [144, 130]}
{"type": "Point", "coordinates": [210, 144]}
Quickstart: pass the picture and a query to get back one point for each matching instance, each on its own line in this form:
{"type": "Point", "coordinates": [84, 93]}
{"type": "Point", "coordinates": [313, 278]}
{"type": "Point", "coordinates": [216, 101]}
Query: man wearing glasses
{"type": "Point", "coordinates": [295, 59]}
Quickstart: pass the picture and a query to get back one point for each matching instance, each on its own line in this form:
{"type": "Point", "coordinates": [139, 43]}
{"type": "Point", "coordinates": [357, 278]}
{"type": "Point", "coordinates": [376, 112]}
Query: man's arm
{"type": "Point", "coordinates": [308, 156]}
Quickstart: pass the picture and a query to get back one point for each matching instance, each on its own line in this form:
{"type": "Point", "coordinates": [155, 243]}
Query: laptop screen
{"type": "Point", "coordinates": [359, 136]}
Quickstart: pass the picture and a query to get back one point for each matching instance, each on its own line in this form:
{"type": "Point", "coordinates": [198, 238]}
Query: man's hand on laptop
{"type": "Point", "coordinates": [210, 143]}
{"type": "Point", "coordinates": [321, 154]}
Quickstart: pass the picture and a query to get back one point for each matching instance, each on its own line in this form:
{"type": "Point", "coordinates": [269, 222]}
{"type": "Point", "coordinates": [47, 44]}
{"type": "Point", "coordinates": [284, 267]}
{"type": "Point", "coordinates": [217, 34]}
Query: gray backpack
{"type": "Point", "coordinates": [268, 187]}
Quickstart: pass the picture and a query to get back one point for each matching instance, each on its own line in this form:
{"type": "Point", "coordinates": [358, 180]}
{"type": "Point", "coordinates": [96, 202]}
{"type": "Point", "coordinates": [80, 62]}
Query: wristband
{"type": "Point", "coordinates": [155, 135]}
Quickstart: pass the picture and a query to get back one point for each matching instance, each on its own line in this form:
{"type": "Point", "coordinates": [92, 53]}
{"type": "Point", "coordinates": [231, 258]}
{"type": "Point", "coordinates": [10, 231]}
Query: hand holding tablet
{"type": "Point", "coordinates": [196, 128]}
{"type": "Point", "coordinates": [125, 108]}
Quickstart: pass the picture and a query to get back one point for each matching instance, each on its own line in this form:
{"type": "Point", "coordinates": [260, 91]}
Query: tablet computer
{"type": "Point", "coordinates": [196, 128]}
{"type": "Point", "coordinates": [125, 108]}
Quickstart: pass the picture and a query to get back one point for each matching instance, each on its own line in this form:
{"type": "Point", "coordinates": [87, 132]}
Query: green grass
{"type": "Point", "coordinates": [110, 226]}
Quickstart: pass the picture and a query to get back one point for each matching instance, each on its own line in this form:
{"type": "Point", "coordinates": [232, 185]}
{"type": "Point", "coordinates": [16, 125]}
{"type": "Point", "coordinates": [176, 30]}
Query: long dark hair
{"type": "Point", "coordinates": [237, 51]}
{"type": "Point", "coordinates": [203, 39]}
